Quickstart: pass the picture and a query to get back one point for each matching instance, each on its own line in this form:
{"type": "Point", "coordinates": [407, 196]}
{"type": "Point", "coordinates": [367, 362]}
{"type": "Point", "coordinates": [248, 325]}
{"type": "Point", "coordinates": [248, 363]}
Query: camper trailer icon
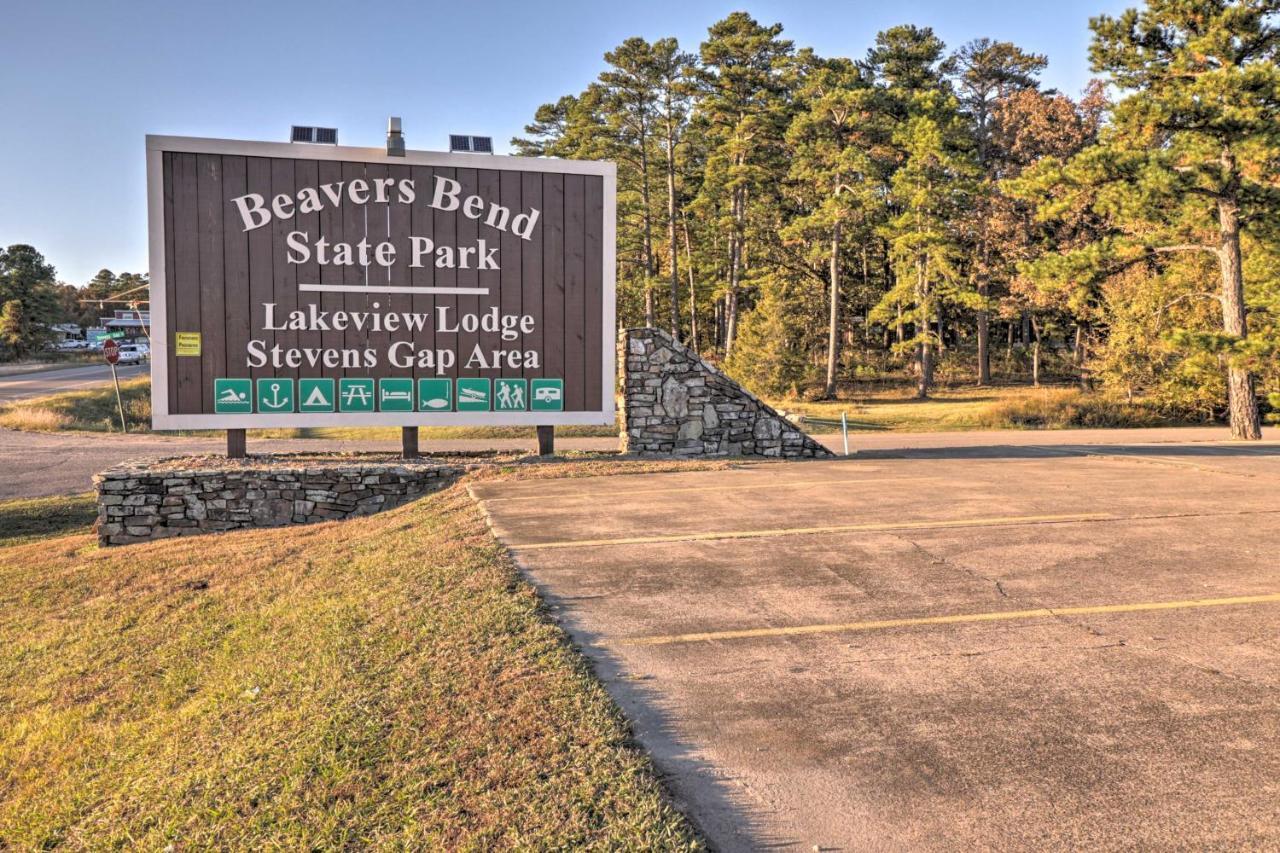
{"type": "Point", "coordinates": [548, 395]}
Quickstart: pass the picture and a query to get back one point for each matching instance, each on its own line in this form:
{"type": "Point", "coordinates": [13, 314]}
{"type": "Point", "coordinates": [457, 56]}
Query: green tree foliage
{"type": "Point", "coordinates": [30, 298]}
{"type": "Point", "coordinates": [815, 219]}
{"type": "Point", "coordinates": [1186, 162]}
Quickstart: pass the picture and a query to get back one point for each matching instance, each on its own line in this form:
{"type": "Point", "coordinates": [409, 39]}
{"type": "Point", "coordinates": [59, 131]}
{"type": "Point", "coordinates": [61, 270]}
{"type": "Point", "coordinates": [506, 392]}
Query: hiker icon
{"type": "Point", "coordinates": [510, 395]}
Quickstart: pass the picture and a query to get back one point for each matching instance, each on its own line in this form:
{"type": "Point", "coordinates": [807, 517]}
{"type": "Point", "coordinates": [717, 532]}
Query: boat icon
{"type": "Point", "coordinates": [472, 395]}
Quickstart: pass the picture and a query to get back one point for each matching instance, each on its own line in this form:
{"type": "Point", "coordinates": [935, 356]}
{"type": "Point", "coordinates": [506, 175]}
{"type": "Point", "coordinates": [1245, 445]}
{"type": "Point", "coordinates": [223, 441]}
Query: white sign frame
{"type": "Point", "coordinates": [163, 419]}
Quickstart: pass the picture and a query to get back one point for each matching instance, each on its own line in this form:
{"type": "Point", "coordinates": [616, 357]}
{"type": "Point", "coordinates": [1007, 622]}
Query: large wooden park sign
{"type": "Point", "coordinates": [302, 285]}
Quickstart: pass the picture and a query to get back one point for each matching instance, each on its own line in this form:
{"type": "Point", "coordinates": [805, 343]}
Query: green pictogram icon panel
{"type": "Point", "coordinates": [510, 395]}
{"type": "Point", "coordinates": [233, 396]}
{"type": "Point", "coordinates": [546, 395]}
{"type": "Point", "coordinates": [473, 395]}
{"type": "Point", "coordinates": [276, 395]}
{"type": "Point", "coordinates": [316, 395]}
{"type": "Point", "coordinates": [356, 395]}
{"type": "Point", "coordinates": [395, 395]}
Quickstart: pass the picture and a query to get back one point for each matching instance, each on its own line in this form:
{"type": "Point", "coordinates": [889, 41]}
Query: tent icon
{"type": "Point", "coordinates": [317, 397]}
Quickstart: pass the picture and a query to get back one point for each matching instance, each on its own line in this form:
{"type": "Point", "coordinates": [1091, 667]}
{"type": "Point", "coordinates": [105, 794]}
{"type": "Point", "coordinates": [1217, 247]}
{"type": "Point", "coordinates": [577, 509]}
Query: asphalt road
{"type": "Point", "coordinates": [40, 464]}
{"type": "Point", "coordinates": [44, 382]}
{"type": "Point", "coordinates": [1051, 646]}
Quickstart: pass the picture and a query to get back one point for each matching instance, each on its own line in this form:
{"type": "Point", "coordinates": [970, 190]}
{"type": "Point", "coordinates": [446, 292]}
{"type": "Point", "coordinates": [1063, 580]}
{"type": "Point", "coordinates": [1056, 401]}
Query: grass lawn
{"type": "Point", "coordinates": [36, 518]}
{"type": "Point", "coordinates": [969, 408]}
{"type": "Point", "coordinates": [388, 681]}
{"type": "Point", "coordinates": [50, 361]}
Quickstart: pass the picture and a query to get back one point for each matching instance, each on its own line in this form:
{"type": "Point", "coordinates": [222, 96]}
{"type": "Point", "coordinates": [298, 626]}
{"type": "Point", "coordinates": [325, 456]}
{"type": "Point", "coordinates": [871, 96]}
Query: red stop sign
{"type": "Point", "coordinates": [111, 350]}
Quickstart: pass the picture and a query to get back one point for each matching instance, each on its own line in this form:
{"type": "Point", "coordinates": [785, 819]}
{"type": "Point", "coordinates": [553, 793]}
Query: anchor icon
{"type": "Point", "coordinates": [275, 402]}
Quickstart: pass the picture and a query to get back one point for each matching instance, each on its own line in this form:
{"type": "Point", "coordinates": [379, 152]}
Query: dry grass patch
{"type": "Point", "coordinates": [995, 407]}
{"type": "Point", "coordinates": [388, 681]}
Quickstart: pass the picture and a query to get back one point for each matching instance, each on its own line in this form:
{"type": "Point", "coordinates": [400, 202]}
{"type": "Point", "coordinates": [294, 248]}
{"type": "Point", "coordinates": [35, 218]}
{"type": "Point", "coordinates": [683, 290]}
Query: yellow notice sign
{"type": "Point", "coordinates": [187, 343]}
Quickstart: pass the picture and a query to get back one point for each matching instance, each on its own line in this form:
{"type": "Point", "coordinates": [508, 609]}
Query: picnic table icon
{"type": "Point", "coordinates": [355, 394]}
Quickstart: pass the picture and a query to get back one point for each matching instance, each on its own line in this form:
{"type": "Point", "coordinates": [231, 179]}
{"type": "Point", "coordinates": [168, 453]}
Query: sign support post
{"type": "Point", "coordinates": [236, 444]}
{"type": "Point", "coordinates": [119, 403]}
{"type": "Point", "coordinates": [395, 148]}
{"type": "Point", "coordinates": [546, 441]}
{"type": "Point", "coordinates": [111, 352]}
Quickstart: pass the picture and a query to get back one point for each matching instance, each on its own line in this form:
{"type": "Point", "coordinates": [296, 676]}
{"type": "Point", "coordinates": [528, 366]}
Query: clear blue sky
{"type": "Point", "coordinates": [81, 83]}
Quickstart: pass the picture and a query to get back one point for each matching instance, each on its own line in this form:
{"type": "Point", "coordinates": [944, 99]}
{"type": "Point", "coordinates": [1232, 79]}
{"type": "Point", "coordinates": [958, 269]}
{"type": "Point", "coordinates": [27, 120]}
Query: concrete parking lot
{"type": "Point", "coordinates": [992, 646]}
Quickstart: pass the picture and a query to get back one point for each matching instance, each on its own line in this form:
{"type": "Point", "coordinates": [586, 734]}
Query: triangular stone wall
{"type": "Point", "coordinates": [674, 402]}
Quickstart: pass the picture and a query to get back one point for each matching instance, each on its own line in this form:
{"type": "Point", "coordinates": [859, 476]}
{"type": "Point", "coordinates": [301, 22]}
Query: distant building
{"type": "Point", "coordinates": [132, 323]}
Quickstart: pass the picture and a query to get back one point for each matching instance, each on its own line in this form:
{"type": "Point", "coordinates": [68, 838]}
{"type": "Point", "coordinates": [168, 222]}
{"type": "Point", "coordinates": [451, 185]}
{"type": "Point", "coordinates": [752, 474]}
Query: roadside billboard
{"type": "Point", "coordinates": [314, 285]}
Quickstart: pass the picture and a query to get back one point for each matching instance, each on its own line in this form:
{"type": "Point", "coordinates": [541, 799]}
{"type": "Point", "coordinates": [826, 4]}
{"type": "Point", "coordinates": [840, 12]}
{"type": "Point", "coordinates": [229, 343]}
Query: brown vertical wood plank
{"type": "Point", "coordinates": [186, 250]}
{"type": "Point", "coordinates": [467, 304]}
{"type": "Point", "coordinates": [331, 225]}
{"type": "Point", "coordinates": [377, 231]}
{"type": "Point", "coordinates": [510, 298]}
{"type": "Point", "coordinates": [489, 186]}
{"type": "Point", "coordinates": [284, 274]}
{"type": "Point", "coordinates": [306, 173]}
{"type": "Point", "coordinates": [446, 231]}
{"type": "Point", "coordinates": [235, 265]}
{"type": "Point", "coordinates": [354, 230]}
{"type": "Point", "coordinates": [575, 283]}
{"type": "Point", "coordinates": [531, 269]}
{"type": "Point", "coordinates": [261, 264]}
{"type": "Point", "coordinates": [553, 274]}
{"type": "Point", "coordinates": [171, 278]}
{"type": "Point", "coordinates": [400, 217]}
{"type": "Point", "coordinates": [423, 276]}
{"type": "Point", "coordinates": [595, 290]}
{"type": "Point", "coordinates": [213, 352]}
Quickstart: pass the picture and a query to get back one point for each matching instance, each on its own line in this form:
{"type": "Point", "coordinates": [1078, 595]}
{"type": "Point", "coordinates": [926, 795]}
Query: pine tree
{"type": "Point", "coordinates": [930, 194]}
{"type": "Point", "coordinates": [744, 103]}
{"type": "Point", "coordinates": [831, 139]}
{"type": "Point", "coordinates": [988, 73]}
{"type": "Point", "coordinates": [675, 76]}
{"type": "Point", "coordinates": [1186, 163]}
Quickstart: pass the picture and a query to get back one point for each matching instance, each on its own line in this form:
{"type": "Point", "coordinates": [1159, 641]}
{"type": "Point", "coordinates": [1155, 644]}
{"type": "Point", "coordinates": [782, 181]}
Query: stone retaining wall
{"type": "Point", "coordinates": [140, 503]}
{"type": "Point", "coordinates": [674, 402]}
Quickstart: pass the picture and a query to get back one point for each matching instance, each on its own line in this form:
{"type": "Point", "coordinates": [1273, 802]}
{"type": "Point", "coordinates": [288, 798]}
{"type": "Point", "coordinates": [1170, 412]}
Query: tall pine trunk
{"type": "Point", "coordinates": [693, 294]}
{"type": "Point", "coordinates": [833, 329]}
{"type": "Point", "coordinates": [672, 251]}
{"type": "Point", "coordinates": [922, 329]}
{"type": "Point", "coordinates": [649, 318]}
{"type": "Point", "coordinates": [1035, 353]}
{"type": "Point", "coordinates": [735, 274]}
{"type": "Point", "coordinates": [1241, 400]}
{"type": "Point", "coordinates": [984, 338]}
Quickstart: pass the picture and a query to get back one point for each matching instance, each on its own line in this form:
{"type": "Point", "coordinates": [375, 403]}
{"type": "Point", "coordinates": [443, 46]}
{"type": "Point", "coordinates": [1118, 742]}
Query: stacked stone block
{"type": "Point", "coordinates": [674, 402]}
{"type": "Point", "coordinates": [139, 504]}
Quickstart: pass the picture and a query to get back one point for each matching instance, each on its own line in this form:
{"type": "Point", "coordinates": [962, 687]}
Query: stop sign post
{"type": "Point", "coordinates": [111, 352]}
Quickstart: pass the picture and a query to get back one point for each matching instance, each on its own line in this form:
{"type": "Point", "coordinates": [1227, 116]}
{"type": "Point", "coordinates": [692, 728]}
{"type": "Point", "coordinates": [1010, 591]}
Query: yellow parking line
{"type": "Point", "coordinates": [1038, 613]}
{"type": "Point", "coordinates": [835, 528]}
{"type": "Point", "coordinates": [769, 485]}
